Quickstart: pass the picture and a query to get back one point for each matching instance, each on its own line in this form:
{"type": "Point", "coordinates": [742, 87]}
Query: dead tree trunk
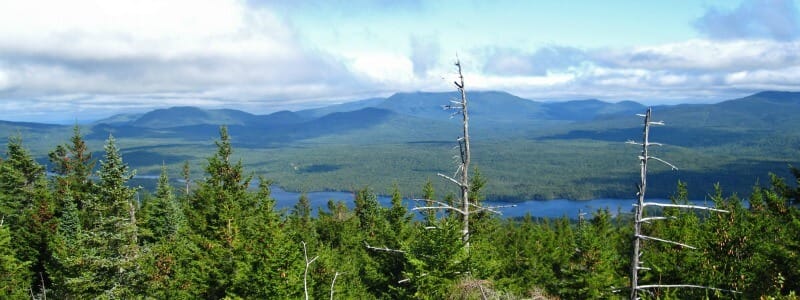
{"type": "Point", "coordinates": [641, 205]}
{"type": "Point", "coordinates": [460, 106]}
{"type": "Point", "coordinates": [642, 187]}
{"type": "Point", "coordinates": [305, 273]}
{"type": "Point", "coordinates": [465, 157]}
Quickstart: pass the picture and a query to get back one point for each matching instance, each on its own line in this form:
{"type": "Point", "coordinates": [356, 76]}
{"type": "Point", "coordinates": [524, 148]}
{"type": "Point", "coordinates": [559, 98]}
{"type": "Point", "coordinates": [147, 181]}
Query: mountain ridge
{"type": "Point", "coordinates": [577, 145]}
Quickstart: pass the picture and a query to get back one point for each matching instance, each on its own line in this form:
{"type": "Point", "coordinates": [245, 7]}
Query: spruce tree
{"type": "Point", "coordinates": [213, 216]}
{"type": "Point", "coordinates": [73, 165]}
{"type": "Point", "coordinates": [161, 214]}
{"type": "Point", "coordinates": [102, 260]}
{"type": "Point", "coordinates": [14, 274]}
{"type": "Point", "coordinates": [27, 209]}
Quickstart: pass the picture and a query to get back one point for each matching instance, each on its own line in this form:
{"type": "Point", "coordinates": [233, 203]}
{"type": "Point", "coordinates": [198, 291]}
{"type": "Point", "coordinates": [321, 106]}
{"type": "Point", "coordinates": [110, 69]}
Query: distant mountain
{"type": "Point", "coordinates": [188, 116]}
{"type": "Point", "coordinates": [764, 111]}
{"type": "Point", "coordinates": [201, 125]}
{"type": "Point", "coordinates": [587, 110]}
{"type": "Point", "coordinates": [758, 116]}
{"type": "Point", "coordinates": [485, 106]}
{"type": "Point", "coordinates": [342, 107]}
{"type": "Point", "coordinates": [498, 114]}
{"type": "Point", "coordinates": [501, 107]}
{"type": "Point", "coordinates": [280, 118]}
{"type": "Point", "coordinates": [409, 133]}
{"type": "Point", "coordinates": [119, 119]}
{"type": "Point", "coordinates": [9, 125]}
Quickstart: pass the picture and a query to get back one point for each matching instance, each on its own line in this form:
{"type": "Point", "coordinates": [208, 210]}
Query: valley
{"type": "Point", "coordinates": [525, 149]}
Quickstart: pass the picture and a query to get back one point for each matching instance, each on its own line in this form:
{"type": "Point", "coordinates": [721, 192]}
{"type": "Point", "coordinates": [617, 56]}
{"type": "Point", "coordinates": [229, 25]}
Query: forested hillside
{"type": "Point", "coordinates": [404, 138]}
{"type": "Point", "coordinates": [82, 234]}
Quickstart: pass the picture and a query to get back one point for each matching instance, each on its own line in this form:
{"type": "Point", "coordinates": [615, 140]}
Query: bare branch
{"type": "Point", "coordinates": [437, 208]}
{"type": "Point", "coordinates": [442, 205]}
{"type": "Point", "coordinates": [664, 162]}
{"type": "Point", "coordinates": [333, 282]}
{"type": "Point", "coordinates": [684, 206]}
{"type": "Point", "coordinates": [657, 218]}
{"type": "Point", "coordinates": [491, 208]}
{"type": "Point", "coordinates": [655, 286]}
{"type": "Point", "coordinates": [409, 279]}
{"type": "Point", "coordinates": [385, 249]}
{"type": "Point", "coordinates": [305, 274]}
{"type": "Point", "coordinates": [449, 178]}
{"type": "Point", "coordinates": [665, 241]}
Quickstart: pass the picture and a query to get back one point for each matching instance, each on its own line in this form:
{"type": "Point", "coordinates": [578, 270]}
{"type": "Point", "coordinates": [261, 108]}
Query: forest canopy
{"type": "Point", "coordinates": [84, 232]}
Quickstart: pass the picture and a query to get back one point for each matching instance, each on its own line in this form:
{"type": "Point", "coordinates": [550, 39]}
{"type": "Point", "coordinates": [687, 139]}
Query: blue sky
{"type": "Point", "coordinates": [87, 59]}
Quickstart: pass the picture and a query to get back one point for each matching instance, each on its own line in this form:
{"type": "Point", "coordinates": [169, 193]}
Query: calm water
{"type": "Point", "coordinates": [550, 208]}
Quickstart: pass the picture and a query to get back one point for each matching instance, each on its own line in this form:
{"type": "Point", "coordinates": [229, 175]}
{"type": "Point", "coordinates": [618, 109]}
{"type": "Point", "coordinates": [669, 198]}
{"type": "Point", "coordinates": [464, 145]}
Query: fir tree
{"type": "Point", "coordinates": [161, 215]}
{"type": "Point", "coordinates": [27, 208]}
{"type": "Point", "coordinates": [14, 274]}
{"type": "Point", "coordinates": [73, 164]}
{"type": "Point", "coordinates": [103, 259]}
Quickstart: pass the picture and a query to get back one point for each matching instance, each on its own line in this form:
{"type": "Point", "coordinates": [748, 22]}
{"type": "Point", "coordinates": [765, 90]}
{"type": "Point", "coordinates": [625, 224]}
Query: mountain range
{"type": "Point", "coordinates": [493, 111]}
{"type": "Point", "coordinates": [750, 134]}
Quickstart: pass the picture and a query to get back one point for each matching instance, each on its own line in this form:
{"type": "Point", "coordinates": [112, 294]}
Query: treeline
{"type": "Point", "coordinates": [83, 234]}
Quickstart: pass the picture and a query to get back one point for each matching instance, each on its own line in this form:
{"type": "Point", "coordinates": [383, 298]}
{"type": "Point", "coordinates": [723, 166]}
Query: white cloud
{"type": "Point", "coordinates": [4, 80]}
{"type": "Point", "coordinates": [383, 67]}
{"type": "Point", "coordinates": [82, 55]}
{"type": "Point", "coordinates": [692, 69]}
{"type": "Point", "coordinates": [705, 55]}
{"type": "Point", "coordinates": [120, 49]}
{"type": "Point", "coordinates": [773, 19]}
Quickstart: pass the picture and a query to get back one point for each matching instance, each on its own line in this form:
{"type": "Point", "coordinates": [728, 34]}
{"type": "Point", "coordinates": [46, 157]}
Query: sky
{"type": "Point", "coordinates": [81, 60]}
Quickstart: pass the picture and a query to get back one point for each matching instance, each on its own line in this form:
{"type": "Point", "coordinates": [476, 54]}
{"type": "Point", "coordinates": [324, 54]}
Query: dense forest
{"type": "Point", "coordinates": [79, 230]}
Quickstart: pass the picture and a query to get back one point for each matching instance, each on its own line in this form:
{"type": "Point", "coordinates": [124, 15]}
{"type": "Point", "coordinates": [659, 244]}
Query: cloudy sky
{"type": "Point", "coordinates": [62, 61]}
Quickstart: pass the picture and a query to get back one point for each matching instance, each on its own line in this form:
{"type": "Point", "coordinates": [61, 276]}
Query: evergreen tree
{"type": "Point", "coordinates": [271, 262]}
{"type": "Point", "coordinates": [241, 251]}
{"type": "Point", "coordinates": [212, 215]}
{"type": "Point", "coordinates": [14, 274]}
{"type": "Point", "coordinates": [429, 193]}
{"type": "Point", "coordinates": [18, 175]}
{"type": "Point", "coordinates": [102, 259]}
{"type": "Point", "coordinates": [73, 164]}
{"type": "Point", "coordinates": [301, 222]}
{"type": "Point", "coordinates": [398, 216]}
{"type": "Point", "coordinates": [161, 215]}
{"type": "Point", "coordinates": [27, 209]}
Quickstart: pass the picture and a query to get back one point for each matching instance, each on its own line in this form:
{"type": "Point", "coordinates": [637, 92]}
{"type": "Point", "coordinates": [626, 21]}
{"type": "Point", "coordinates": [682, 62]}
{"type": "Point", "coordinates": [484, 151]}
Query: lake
{"type": "Point", "coordinates": [537, 208]}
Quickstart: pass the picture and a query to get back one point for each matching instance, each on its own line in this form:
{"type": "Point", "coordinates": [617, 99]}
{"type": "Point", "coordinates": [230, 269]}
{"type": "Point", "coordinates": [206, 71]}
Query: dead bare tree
{"type": "Point", "coordinates": [461, 176]}
{"type": "Point", "coordinates": [640, 207]}
{"type": "Point", "coordinates": [333, 282]}
{"type": "Point", "coordinates": [305, 273]}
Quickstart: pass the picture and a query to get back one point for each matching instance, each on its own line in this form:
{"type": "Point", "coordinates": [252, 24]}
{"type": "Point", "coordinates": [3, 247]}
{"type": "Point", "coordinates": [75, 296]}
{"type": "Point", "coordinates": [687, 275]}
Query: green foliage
{"type": "Point", "coordinates": [27, 209]}
{"type": "Point", "coordinates": [76, 238]}
{"type": "Point", "coordinates": [161, 215]}
{"type": "Point", "coordinates": [14, 281]}
{"type": "Point", "coordinates": [73, 166]}
{"type": "Point", "coordinates": [101, 259]}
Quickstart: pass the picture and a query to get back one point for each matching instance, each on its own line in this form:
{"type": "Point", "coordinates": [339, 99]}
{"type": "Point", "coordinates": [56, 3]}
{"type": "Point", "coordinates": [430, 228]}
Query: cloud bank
{"type": "Point", "coordinates": [85, 59]}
